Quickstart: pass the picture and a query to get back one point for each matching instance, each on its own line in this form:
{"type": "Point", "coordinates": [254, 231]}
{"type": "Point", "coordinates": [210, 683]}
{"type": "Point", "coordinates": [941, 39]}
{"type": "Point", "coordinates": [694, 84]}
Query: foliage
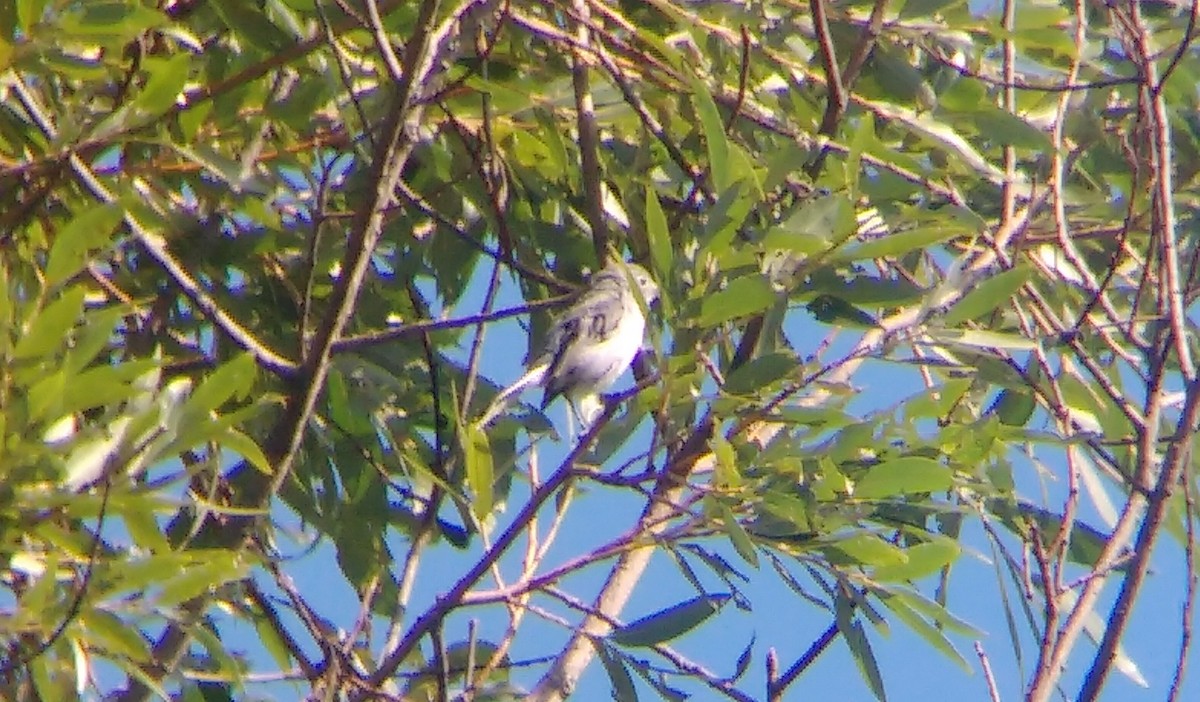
{"type": "Point", "coordinates": [249, 251]}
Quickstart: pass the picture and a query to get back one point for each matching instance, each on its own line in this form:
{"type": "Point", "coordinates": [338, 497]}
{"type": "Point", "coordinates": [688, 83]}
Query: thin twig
{"type": "Point", "coordinates": [993, 692]}
{"type": "Point", "coordinates": [589, 135]}
{"type": "Point", "coordinates": [1189, 590]}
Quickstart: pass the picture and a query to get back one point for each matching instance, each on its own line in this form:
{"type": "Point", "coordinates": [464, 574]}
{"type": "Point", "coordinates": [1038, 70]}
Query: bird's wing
{"type": "Point", "coordinates": [564, 334]}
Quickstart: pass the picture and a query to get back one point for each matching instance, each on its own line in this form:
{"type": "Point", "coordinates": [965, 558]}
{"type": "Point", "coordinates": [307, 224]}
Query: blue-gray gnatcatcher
{"type": "Point", "coordinates": [590, 344]}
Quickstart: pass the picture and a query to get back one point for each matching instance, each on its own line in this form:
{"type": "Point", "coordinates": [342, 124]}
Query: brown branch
{"type": "Point", "coordinates": [589, 136]}
{"type": "Point", "coordinates": [156, 246]}
{"type": "Point", "coordinates": [1008, 194]}
{"type": "Point", "coordinates": [835, 100]}
{"type": "Point", "coordinates": [422, 55]}
{"type": "Point", "coordinates": [993, 691]}
{"type": "Point", "coordinates": [431, 618]}
{"type": "Point", "coordinates": [1189, 598]}
{"type": "Point", "coordinates": [814, 651]}
{"type": "Point", "coordinates": [1172, 470]}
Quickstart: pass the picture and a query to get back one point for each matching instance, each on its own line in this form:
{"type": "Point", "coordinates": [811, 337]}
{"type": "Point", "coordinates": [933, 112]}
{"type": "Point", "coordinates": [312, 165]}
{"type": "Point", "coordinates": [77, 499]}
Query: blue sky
{"type": "Point", "coordinates": [910, 668]}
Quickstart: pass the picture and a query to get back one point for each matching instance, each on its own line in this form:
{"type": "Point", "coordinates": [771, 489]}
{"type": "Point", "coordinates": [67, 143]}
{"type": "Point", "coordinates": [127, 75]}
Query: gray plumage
{"type": "Point", "coordinates": [590, 344]}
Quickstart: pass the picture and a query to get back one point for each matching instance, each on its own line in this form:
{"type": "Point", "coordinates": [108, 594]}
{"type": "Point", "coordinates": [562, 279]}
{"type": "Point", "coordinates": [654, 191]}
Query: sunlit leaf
{"type": "Point", "coordinates": [902, 476]}
{"type": "Point", "coordinates": [991, 294]}
{"type": "Point", "coordinates": [742, 297]}
{"type": "Point", "coordinates": [49, 328]}
{"type": "Point", "coordinates": [477, 455]}
{"type": "Point", "coordinates": [86, 232]}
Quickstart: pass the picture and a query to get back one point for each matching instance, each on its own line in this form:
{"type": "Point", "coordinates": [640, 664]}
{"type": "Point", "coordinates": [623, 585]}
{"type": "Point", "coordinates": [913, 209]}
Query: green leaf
{"type": "Point", "coordinates": [743, 297]}
{"type": "Point", "coordinates": [902, 476]}
{"type": "Point", "coordinates": [979, 338]}
{"type": "Point", "coordinates": [714, 135]}
{"type": "Point", "coordinates": [815, 226]}
{"type": "Point", "coordinates": [93, 336]}
{"type": "Point", "coordinates": [1013, 407]}
{"type": "Point", "coordinates": [143, 528]}
{"type": "Point", "coordinates": [90, 230]}
{"type": "Point", "coordinates": [29, 13]}
{"type": "Point", "coordinates": [249, 22]}
{"type": "Point", "coordinates": [742, 543]}
{"type": "Point", "coordinates": [49, 329]}
{"type": "Point", "coordinates": [863, 140]}
{"type": "Point", "coordinates": [477, 456]}
{"type": "Point", "coordinates": [235, 377]}
{"type": "Point", "coordinates": [937, 401]}
{"type": "Point", "coordinates": [789, 509]}
{"type": "Point", "coordinates": [104, 384]}
{"type": "Point", "coordinates": [899, 79]}
{"type": "Point", "coordinates": [899, 243]}
{"type": "Point", "coordinates": [724, 218]}
{"type": "Point", "coordinates": [727, 473]}
{"type": "Point", "coordinates": [659, 236]}
{"type": "Point", "coordinates": [271, 640]}
{"type": "Point", "coordinates": [219, 659]}
{"type": "Point", "coordinates": [864, 657]}
{"type": "Point", "coordinates": [670, 623]}
{"type": "Point", "coordinates": [868, 549]}
{"type": "Point", "coordinates": [927, 631]}
{"type": "Point", "coordinates": [166, 81]}
{"type": "Point", "coordinates": [927, 8]}
{"type": "Point", "coordinates": [934, 611]}
{"type": "Point", "coordinates": [114, 636]}
{"type": "Point", "coordinates": [623, 689]}
{"type": "Point", "coordinates": [998, 126]}
{"type": "Point", "coordinates": [830, 309]}
{"type": "Point", "coordinates": [110, 20]}
{"type": "Point", "coordinates": [987, 296]}
{"type": "Point", "coordinates": [46, 397]}
{"type": "Point", "coordinates": [761, 373]}
{"type": "Point", "coordinates": [244, 446]}
{"type": "Point", "coordinates": [923, 560]}
{"type": "Point", "coordinates": [204, 575]}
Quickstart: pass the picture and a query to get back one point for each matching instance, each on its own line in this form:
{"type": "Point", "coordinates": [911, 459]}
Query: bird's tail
{"type": "Point", "coordinates": [535, 376]}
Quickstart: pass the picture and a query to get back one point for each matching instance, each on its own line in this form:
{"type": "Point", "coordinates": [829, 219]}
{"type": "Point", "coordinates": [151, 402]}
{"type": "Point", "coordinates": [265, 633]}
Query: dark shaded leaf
{"type": "Point", "coordinates": [623, 689]}
{"type": "Point", "coordinates": [670, 623]}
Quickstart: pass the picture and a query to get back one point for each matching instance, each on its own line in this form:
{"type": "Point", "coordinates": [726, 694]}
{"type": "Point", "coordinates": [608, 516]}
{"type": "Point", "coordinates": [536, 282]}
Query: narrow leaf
{"type": "Point", "coordinates": [864, 658]}
{"type": "Point", "coordinates": [978, 338]}
{"type": "Point", "coordinates": [927, 631]}
{"type": "Point", "coordinates": [987, 296]}
{"type": "Point", "coordinates": [923, 560]}
{"type": "Point", "coordinates": [623, 689]}
{"type": "Point", "coordinates": [742, 543]}
{"type": "Point", "coordinates": [659, 236]}
{"type": "Point", "coordinates": [714, 135]}
{"type": "Point", "coordinates": [866, 548]}
{"type": "Point", "coordinates": [900, 244]}
{"type": "Point", "coordinates": [670, 623]}
{"type": "Point", "coordinates": [477, 455]}
{"type": "Point", "coordinates": [90, 230]}
{"type": "Point", "coordinates": [902, 476]}
{"type": "Point", "coordinates": [232, 378]}
{"type": "Point", "coordinates": [48, 331]}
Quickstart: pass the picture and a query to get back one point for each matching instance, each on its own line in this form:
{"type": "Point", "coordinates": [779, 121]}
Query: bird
{"type": "Point", "coordinates": [590, 344]}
